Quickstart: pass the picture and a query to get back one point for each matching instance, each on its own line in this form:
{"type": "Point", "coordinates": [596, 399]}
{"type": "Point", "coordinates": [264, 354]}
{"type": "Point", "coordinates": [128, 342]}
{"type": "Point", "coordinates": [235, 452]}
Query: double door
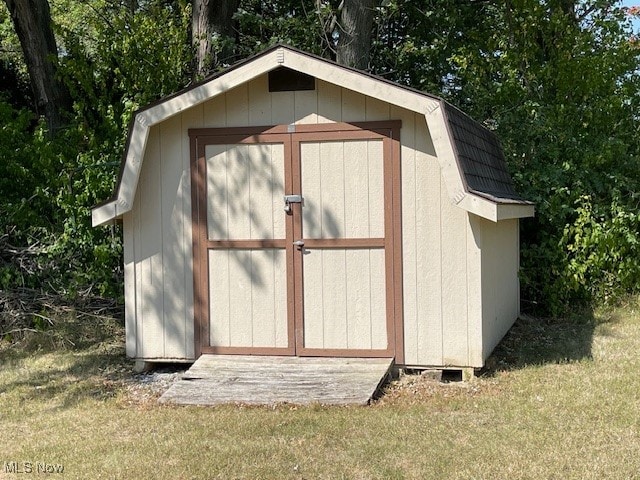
{"type": "Point", "coordinates": [294, 245]}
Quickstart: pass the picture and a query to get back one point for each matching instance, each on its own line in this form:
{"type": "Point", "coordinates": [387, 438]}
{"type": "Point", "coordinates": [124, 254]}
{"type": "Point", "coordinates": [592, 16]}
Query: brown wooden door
{"type": "Point", "coordinates": [316, 278]}
{"type": "Point", "coordinates": [341, 267]}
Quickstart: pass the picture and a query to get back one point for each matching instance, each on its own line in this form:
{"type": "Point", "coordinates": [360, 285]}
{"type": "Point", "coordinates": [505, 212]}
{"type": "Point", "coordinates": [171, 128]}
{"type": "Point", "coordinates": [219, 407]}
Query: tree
{"type": "Point", "coordinates": [557, 80]}
{"type": "Point", "coordinates": [354, 33]}
{"type": "Point", "coordinates": [32, 23]}
{"type": "Point", "coordinates": [212, 33]}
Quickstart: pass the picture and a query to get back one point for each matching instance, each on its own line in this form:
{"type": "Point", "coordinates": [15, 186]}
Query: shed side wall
{"type": "Point", "coordinates": [158, 261]}
{"type": "Point", "coordinates": [500, 283]}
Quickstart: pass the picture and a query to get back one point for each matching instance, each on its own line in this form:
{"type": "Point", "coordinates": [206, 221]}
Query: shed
{"type": "Point", "coordinates": [293, 206]}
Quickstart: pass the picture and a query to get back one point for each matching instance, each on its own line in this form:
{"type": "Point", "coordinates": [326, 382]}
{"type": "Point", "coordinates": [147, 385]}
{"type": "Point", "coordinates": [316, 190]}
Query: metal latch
{"type": "Point", "coordinates": [289, 199]}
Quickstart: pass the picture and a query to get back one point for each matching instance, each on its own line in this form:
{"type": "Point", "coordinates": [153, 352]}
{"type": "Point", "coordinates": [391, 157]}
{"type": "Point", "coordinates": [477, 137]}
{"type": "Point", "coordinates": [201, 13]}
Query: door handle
{"type": "Point", "coordinates": [299, 244]}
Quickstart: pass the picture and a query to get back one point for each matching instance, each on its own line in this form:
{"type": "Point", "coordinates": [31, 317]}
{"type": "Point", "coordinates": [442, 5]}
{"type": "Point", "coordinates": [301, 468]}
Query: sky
{"type": "Point", "coordinates": [631, 3]}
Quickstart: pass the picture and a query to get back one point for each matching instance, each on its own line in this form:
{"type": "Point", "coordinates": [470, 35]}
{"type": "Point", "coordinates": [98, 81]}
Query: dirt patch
{"type": "Point", "coordinates": [146, 388]}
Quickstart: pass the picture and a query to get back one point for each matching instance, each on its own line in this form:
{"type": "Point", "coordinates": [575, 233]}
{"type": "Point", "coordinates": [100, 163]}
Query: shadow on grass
{"type": "Point", "coordinates": [75, 360]}
{"type": "Point", "coordinates": [538, 341]}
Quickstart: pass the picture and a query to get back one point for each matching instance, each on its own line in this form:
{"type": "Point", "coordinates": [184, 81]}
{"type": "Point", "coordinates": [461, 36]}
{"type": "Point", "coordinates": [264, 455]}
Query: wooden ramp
{"type": "Point", "coordinates": [255, 380]}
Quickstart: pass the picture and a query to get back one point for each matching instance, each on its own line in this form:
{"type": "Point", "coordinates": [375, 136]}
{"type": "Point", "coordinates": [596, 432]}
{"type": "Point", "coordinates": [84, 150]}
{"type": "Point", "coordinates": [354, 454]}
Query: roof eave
{"type": "Point", "coordinates": [495, 211]}
{"type": "Point", "coordinates": [105, 213]}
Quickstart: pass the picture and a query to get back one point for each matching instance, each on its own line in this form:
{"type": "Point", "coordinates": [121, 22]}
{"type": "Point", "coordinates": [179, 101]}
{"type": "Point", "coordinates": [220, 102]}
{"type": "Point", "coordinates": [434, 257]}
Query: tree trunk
{"type": "Point", "coordinates": [354, 33]}
{"type": "Point", "coordinates": [32, 23]}
{"type": "Point", "coordinates": [212, 19]}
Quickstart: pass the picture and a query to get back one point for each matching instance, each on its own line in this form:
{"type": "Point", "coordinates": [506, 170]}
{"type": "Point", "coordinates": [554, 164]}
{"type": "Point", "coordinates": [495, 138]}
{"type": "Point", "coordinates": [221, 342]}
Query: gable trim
{"type": "Point", "coordinates": [430, 106]}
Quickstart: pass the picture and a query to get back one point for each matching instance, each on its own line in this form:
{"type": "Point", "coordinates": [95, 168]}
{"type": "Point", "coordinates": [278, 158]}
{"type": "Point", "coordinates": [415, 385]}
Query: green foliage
{"type": "Point", "coordinates": [114, 61]}
{"type": "Point", "coordinates": [303, 24]}
{"type": "Point", "coordinates": [558, 81]}
{"type": "Point", "coordinates": [564, 97]}
{"type": "Point", "coordinates": [603, 248]}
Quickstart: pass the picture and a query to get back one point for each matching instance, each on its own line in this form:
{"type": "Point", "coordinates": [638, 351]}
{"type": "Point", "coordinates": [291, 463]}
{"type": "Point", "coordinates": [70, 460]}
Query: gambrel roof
{"type": "Point", "coordinates": [472, 162]}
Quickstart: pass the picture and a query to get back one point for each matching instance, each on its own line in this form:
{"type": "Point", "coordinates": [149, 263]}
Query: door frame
{"type": "Point", "coordinates": [291, 136]}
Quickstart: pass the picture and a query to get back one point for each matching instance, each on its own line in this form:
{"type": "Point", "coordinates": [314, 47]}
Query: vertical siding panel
{"type": "Point", "coordinates": [277, 190]}
{"type": "Point", "coordinates": [241, 275]}
{"type": "Point", "coordinates": [500, 286]}
{"type": "Point", "coordinates": [311, 190]}
{"type": "Point", "coordinates": [306, 106]}
{"type": "Point", "coordinates": [409, 239]}
{"type": "Point", "coordinates": [192, 118]}
{"type": "Point", "coordinates": [358, 298]}
{"type": "Point", "coordinates": [139, 261]}
{"type": "Point", "coordinates": [353, 106]}
{"type": "Point", "coordinates": [377, 303]}
{"type": "Point", "coordinates": [329, 102]}
{"type": "Point", "coordinates": [280, 298]}
{"type": "Point", "coordinates": [173, 284]}
{"type": "Point", "coordinates": [237, 103]}
{"type": "Point", "coordinates": [474, 289]}
{"type": "Point", "coordinates": [334, 304]}
{"type": "Point", "coordinates": [217, 192]}
{"type": "Point", "coordinates": [219, 292]}
{"type": "Point", "coordinates": [128, 221]}
{"type": "Point", "coordinates": [313, 301]}
{"type": "Point", "coordinates": [332, 191]}
{"type": "Point", "coordinates": [454, 283]}
{"type": "Point", "coordinates": [262, 187]}
{"type": "Point", "coordinates": [238, 191]}
{"type": "Point", "coordinates": [263, 299]}
{"type": "Point", "coordinates": [259, 101]}
{"type": "Point", "coordinates": [282, 108]}
{"type": "Point", "coordinates": [429, 267]}
{"type": "Point", "coordinates": [214, 112]}
{"type": "Point", "coordinates": [356, 190]}
{"type": "Point", "coordinates": [375, 168]}
{"type": "Point", "coordinates": [376, 109]}
{"type": "Point", "coordinates": [152, 300]}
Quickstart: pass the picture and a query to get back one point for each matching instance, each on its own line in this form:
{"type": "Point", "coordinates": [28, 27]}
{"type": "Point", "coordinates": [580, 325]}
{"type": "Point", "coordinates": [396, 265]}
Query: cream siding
{"type": "Point", "coordinates": [344, 299]}
{"type": "Point", "coordinates": [500, 284]}
{"type": "Point", "coordinates": [247, 294]}
{"type": "Point", "coordinates": [158, 259]}
{"type": "Point", "coordinates": [342, 184]}
{"type": "Point", "coordinates": [129, 284]}
{"type": "Point", "coordinates": [245, 190]}
{"type": "Point", "coordinates": [474, 292]}
{"type": "Point", "coordinates": [441, 257]}
{"type": "Point", "coordinates": [247, 298]}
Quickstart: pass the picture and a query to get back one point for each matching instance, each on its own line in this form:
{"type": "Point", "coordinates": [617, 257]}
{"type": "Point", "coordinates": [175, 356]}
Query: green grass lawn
{"type": "Point", "coordinates": [561, 400]}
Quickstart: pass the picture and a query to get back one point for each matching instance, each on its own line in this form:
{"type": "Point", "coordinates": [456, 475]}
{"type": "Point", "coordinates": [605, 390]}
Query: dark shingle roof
{"type": "Point", "coordinates": [480, 158]}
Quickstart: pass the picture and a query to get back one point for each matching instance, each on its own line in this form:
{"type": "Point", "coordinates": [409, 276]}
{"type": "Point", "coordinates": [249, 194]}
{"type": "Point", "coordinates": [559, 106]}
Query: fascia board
{"type": "Point", "coordinates": [103, 214]}
{"type": "Point", "coordinates": [442, 143]}
{"type": "Point", "coordinates": [479, 206]}
{"type": "Point", "coordinates": [162, 111]}
{"type": "Point", "coordinates": [212, 88]}
{"type": "Point", "coordinates": [508, 211]}
{"type": "Point", "coordinates": [493, 211]}
{"type": "Point", "coordinates": [358, 82]}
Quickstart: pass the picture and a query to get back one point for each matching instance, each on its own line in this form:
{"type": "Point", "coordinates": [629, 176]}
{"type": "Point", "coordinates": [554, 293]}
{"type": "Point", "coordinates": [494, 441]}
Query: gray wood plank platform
{"type": "Point", "coordinates": [257, 380]}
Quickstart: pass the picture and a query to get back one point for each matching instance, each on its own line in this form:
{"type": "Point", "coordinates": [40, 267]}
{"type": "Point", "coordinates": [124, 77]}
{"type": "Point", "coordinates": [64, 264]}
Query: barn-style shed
{"type": "Point", "coordinates": [293, 206]}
